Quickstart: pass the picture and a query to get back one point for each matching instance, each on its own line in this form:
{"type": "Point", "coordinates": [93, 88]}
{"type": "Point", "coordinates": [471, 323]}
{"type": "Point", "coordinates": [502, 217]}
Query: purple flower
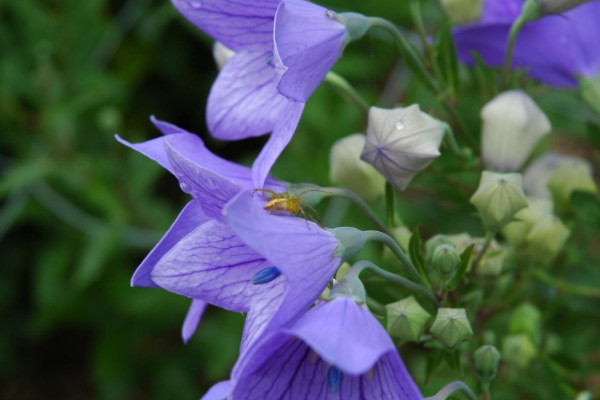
{"type": "Point", "coordinates": [336, 350]}
{"type": "Point", "coordinates": [283, 49]}
{"type": "Point", "coordinates": [220, 246]}
{"type": "Point", "coordinates": [556, 49]}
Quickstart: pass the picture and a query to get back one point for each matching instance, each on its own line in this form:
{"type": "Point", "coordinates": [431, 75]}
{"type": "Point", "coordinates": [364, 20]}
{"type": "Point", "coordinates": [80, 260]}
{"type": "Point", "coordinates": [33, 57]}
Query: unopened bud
{"type": "Point", "coordinates": [347, 169]}
{"type": "Point", "coordinates": [451, 326]}
{"type": "Point", "coordinates": [445, 261]}
{"type": "Point", "coordinates": [590, 91]}
{"type": "Point", "coordinates": [350, 241]}
{"type": "Point", "coordinates": [512, 125]}
{"type": "Point", "coordinates": [356, 25]}
{"type": "Point", "coordinates": [537, 175]}
{"type": "Point", "coordinates": [527, 319]}
{"type": "Point", "coordinates": [221, 54]}
{"type": "Point", "coordinates": [432, 243]}
{"type": "Point", "coordinates": [518, 350]}
{"type": "Point", "coordinates": [547, 238]}
{"type": "Point", "coordinates": [492, 261]}
{"type": "Point", "coordinates": [517, 230]}
{"type": "Point", "coordinates": [462, 11]}
{"type": "Point", "coordinates": [498, 198]}
{"type": "Point", "coordinates": [406, 319]}
{"type": "Point", "coordinates": [486, 360]}
{"type": "Point", "coordinates": [401, 142]}
{"type": "Point", "coordinates": [568, 176]}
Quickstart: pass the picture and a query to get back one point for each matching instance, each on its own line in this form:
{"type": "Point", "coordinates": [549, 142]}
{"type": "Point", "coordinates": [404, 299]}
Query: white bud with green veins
{"type": "Point", "coordinates": [518, 350]}
{"type": "Point", "coordinates": [406, 319]}
{"type": "Point", "coordinates": [517, 230]}
{"type": "Point", "coordinates": [547, 238]}
{"type": "Point", "coordinates": [432, 243]}
{"type": "Point", "coordinates": [445, 261]}
{"type": "Point", "coordinates": [498, 198]}
{"type": "Point", "coordinates": [486, 360]}
{"type": "Point", "coordinates": [570, 175]}
{"type": "Point", "coordinates": [451, 327]}
{"type": "Point", "coordinates": [348, 170]}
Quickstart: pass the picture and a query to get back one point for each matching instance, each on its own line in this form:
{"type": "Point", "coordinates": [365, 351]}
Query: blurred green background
{"type": "Point", "coordinates": [79, 211]}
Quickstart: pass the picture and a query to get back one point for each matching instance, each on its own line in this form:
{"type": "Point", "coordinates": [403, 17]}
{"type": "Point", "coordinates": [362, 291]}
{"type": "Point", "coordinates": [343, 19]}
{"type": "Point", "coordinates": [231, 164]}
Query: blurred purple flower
{"type": "Point", "coordinates": [556, 49]}
{"type": "Point", "coordinates": [224, 238]}
{"type": "Point", "coordinates": [337, 350]}
{"type": "Point", "coordinates": [283, 49]}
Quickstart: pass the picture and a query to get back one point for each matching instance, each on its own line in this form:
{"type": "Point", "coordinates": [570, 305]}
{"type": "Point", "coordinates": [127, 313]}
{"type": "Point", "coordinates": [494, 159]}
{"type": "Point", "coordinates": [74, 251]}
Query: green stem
{"type": "Point", "coordinates": [465, 153]}
{"type": "Point", "coordinates": [376, 306]}
{"type": "Point", "coordinates": [387, 240]}
{"type": "Point", "coordinates": [415, 8]}
{"type": "Point", "coordinates": [407, 284]}
{"type": "Point", "coordinates": [389, 205]}
{"type": "Point", "coordinates": [347, 89]}
{"type": "Point", "coordinates": [356, 199]}
{"type": "Point", "coordinates": [450, 388]}
{"type": "Point", "coordinates": [567, 287]}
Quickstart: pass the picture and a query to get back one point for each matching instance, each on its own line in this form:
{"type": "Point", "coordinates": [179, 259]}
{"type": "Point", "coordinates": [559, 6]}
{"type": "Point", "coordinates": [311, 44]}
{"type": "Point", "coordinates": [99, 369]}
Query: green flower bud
{"type": "Point", "coordinates": [486, 360]}
{"type": "Point", "coordinates": [462, 11]}
{"type": "Point", "coordinates": [512, 126]}
{"type": "Point", "coordinates": [493, 260]}
{"type": "Point", "coordinates": [432, 243]}
{"type": "Point", "coordinates": [517, 230]}
{"type": "Point", "coordinates": [518, 350]}
{"type": "Point", "coordinates": [547, 238]}
{"type": "Point", "coordinates": [498, 198]}
{"type": "Point", "coordinates": [568, 176]}
{"type": "Point", "coordinates": [527, 319]}
{"type": "Point", "coordinates": [347, 169]}
{"type": "Point", "coordinates": [406, 319]}
{"type": "Point", "coordinates": [356, 24]}
{"type": "Point", "coordinates": [451, 326]}
{"type": "Point", "coordinates": [445, 261]}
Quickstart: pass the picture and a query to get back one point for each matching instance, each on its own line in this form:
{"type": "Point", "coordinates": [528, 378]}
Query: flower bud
{"type": "Point", "coordinates": [347, 169]}
{"type": "Point", "coordinates": [462, 11]}
{"type": "Point", "coordinates": [559, 6]}
{"type": "Point", "coordinates": [568, 176]}
{"type": "Point", "coordinates": [350, 241]}
{"type": "Point", "coordinates": [590, 91]}
{"type": "Point", "coordinates": [517, 230]}
{"type": "Point", "coordinates": [221, 54]}
{"type": "Point", "coordinates": [492, 261]}
{"type": "Point", "coordinates": [512, 125]}
{"type": "Point", "coordinates": [432, 243]}
{"type": "Point", "coordinates": [486, 359]}
{"type": "Point", "coordinates": [498, 198]}
{"type": "Point", "coordinates": [445, 261]}
{"type": "Point", "coordinates": [406, 319]}
{"type": "Point", "coordinates": [451, 326]}
{"type": "Point", "coordinates": [538, 173]}
{"type": "Point", "coordinates": [518, 350]}
{"type": "Point", "coordinates": [401, 142]}
{"type": "Point", "coordinates": [547, 238]}
{"type": "Point", "coordinates": [527, 319]}
{"type": "Point", "coordinates": [356, 25]}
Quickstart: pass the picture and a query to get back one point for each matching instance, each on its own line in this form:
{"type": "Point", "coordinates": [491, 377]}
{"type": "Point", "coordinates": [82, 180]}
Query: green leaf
{"type": "Point", "coordinates": [453, 359]}
{"type": "Point", "coordinates": [446, 55]}
{"type": "Point", "coordinates": [587, 207]}
{"type": "Point", "coordinates": [465, 260]}
{"type": "Point", "coordinates": [433, 361]}
{"type": "Point", "coordinates": [414, 250]}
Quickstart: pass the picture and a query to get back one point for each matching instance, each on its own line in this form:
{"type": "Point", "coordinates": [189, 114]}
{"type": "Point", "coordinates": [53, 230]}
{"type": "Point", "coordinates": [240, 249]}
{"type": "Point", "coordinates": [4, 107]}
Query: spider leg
{"type": "Point", "coordinates": [273, 194]}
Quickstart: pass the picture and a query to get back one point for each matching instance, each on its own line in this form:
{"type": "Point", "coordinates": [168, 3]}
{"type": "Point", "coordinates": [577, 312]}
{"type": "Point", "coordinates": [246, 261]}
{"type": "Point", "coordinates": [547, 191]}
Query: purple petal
{"type": "Point", "coordinates": [307, 43]}
{"type": "Point", "coordinates": [235, 23]}
{"type": "Point", "coordinates": [219, 391]}
{"type": "Point", "coordinates": [244, 100]}
{"type": "Point", "coordinates": [189, 219]}
{"type": "Point", "coordinates": [302, 251]}
{"type": "Point", "coordinates": [211, 264]}
{"type": "Point", "coordinates": [282, 134]}
{"type": "Point", "coordinates": [192, 319]}
{"type": "Point", "coordinates": [501, 10]}
{"type": "Point", "coordinates": [153, 149]}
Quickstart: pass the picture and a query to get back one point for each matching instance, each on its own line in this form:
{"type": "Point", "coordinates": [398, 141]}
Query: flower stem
{"type": "Point", "coordinates": [356, 199]}
{"type": "Point", "coordinates": [397, 250]}
{"type": "Point", "coordinates": [346, 89]}
{"type": "Point", "coordinates": [566, 287]}
{"type": "Point", "coordinates": [410, 285]}
{"type": "Point", "coordinates": [389, 205]}
{"type": "Point", "coordinates": [450, 388]}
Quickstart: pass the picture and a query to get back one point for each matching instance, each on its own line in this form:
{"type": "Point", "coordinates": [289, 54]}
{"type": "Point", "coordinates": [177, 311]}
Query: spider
{"type": "Point", "coordinates": [284, 202]}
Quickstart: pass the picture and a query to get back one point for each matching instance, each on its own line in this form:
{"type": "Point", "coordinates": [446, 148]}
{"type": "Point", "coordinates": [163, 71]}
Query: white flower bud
{"type": "Point", "coordinates": [547, 237]}
{"type": "Point", "coordinates": [559, 6]}
{"type": "Point", "coordinates": [538, 173]}
{"type": "Point", "coordinates": [221, 54]}
{"type": "Point", "coordinates": [462, 11]}
{"type": "Point", "coordinates": [347, 169]}
{"type": "Point", "coordinates": [401, 142]}
{"type": "Point", "coordinates": [517, 230]}
{"type": "Point", "coordinates": [498, 198]}
{"type": "Point", "coordinates": [567, 177]}
{"type": "Point", "coordinates": [512, 125]}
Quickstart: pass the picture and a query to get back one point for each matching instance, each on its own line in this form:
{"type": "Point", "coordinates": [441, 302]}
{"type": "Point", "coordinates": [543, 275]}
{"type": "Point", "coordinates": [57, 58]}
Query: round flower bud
{"type": "Point", "coordinates": [493, 260]}
{"type": "Point", "coordinates": [486, 359]}
{"type": "Point", "coordinates": [498, 198]}
{"type": "Point", "coordinates": [432, 243]}
{"type": "Point", "coordinates": [401, 142]}
{"type": "Point", "coordinates": [512, 125]}
{"type": "Point", "coordinates": [517, 230]}
{"type": "Point", "coordinates": [559, 6]}
{"type": "Point", "coordinates": [569, 176]}
{"type": "Point", "coordinates": [518, 350]}
{"type": "Point", "coordinates": [462, 11]}
{"type": "Point", "coordinates": [527, 319]}
{"type": "Point", "coordinates": [547, 238]}
{"type": "Point", "coordinates": [347, 169]}
{"type": "Point", "coordinates": [221, 54]}
{"type": "Point", "coordinates": [451, 326]}
{"type": "Point", "coordinates": [537, 175]}
{"type": "Point", "coordinates": [445, 261]}
{"type": "Point", "coordinates": [406, 319]}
